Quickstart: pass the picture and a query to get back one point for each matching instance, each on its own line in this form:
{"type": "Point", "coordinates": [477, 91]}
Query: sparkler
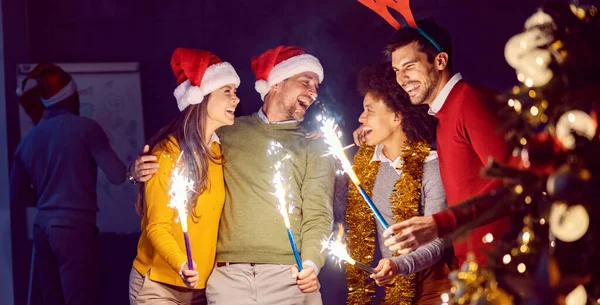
{"type": "Point", "coordinates": [284, 208]}
{"type": "Point", "coordinates": [180, 187]}
{"type": "Point", "coordinates": [332, 138]}
{"type": "Point", "coordinates": [339, 250]}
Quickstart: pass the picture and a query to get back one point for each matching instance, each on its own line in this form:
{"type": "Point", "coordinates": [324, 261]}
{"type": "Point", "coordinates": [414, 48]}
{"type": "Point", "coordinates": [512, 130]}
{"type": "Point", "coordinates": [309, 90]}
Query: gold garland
{"type": "Point", "coordinates": [404, 202]}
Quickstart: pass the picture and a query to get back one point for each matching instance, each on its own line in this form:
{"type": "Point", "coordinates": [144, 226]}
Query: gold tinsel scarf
{"type": "Point", "coordinates": [360, 220]}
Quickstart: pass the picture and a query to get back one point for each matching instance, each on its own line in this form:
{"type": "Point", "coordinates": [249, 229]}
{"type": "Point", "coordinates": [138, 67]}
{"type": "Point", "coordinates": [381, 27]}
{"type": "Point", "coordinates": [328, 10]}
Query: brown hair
{"type": "Point", "coordinates": [428, 33]}
{"type": "Point", "coordinates": [187, 130]}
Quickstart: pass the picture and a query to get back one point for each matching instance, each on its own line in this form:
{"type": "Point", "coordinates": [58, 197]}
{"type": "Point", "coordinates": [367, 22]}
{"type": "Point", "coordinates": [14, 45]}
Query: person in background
{"type": "Point", "coordinates": [55, 168]}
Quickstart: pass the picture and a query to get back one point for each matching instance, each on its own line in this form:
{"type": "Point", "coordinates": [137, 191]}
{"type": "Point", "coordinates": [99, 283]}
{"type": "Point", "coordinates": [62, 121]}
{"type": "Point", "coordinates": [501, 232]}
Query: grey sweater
{"type": "Point", "coordinates": [433, 200]}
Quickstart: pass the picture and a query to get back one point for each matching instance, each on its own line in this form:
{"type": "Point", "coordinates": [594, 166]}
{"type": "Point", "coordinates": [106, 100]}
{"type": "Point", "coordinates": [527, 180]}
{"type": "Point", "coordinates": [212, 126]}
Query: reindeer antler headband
{"type": "Point", "coordinates": [403, 7]}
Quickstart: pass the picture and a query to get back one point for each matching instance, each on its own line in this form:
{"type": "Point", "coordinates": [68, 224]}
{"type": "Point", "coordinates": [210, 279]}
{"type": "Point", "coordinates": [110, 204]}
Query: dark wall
{"type": "Point", "coordinates": [343, 34]}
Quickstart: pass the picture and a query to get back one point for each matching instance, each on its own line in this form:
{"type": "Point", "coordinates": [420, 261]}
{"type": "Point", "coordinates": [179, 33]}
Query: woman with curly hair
{"type": "Point", "coordinates": [401, 173]}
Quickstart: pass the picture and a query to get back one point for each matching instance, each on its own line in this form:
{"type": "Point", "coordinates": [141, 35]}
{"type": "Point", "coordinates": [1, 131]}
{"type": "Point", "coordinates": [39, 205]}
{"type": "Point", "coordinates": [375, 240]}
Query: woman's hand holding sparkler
{"type": "Point", "coordinates": [306, 279]}
{"type": "Point", "coordinates": [190, 277]}
{"type": "Point", "coordinates": [385, 271]}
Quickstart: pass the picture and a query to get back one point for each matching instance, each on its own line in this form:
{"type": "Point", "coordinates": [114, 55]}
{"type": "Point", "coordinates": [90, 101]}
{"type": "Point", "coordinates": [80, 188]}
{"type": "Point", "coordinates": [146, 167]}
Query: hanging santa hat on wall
{"type": "Point", "coordinates": [279, 63]}
{"type": "Point", "coordinates": [199, 73]}
{"type": "Point", "coordinates": [46, 83]}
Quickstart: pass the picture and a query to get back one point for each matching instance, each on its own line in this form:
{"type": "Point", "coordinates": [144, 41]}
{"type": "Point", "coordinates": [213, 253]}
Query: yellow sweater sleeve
{"type": "Point", "coordinates": [160, 217]}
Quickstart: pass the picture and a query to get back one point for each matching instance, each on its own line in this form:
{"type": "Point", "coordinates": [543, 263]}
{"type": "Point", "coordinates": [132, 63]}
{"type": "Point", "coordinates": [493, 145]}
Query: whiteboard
{"type": "Point", "coordinates": [110, 94]}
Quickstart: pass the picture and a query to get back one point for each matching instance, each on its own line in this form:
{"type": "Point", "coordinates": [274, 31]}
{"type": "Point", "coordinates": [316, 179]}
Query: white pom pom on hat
{"type": "Point", "coordinates": [282, 62]}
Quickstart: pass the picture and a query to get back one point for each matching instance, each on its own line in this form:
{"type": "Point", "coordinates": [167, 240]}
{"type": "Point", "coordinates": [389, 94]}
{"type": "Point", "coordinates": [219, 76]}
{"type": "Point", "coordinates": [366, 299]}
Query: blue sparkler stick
{"type": "Point", "coordinates": [294, 249]}
{"type": "Point", "coordinates": [378, 215]}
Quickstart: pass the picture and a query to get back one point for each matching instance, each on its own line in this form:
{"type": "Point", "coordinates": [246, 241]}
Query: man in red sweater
{"type": "Point", "coordinates": [466, 138]}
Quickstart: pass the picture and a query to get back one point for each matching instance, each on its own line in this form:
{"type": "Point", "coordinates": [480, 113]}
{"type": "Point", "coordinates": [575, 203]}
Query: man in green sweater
{"type": "Point", "coordinates": [255, 262]}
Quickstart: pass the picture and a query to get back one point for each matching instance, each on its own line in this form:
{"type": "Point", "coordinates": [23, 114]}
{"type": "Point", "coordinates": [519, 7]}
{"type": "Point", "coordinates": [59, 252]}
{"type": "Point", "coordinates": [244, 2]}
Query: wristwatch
{"type": "Point", "coordinates": [130, 176]}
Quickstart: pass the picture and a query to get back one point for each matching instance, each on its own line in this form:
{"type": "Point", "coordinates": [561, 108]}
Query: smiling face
{"type": "Point", "coordinates": [380, 123]}
{"type": "Point", "coordinates": [291, 97]}
{"type": "Point", "coordinates": [221, 106]}
{"type": "Point", "coordinates": [417, 76]}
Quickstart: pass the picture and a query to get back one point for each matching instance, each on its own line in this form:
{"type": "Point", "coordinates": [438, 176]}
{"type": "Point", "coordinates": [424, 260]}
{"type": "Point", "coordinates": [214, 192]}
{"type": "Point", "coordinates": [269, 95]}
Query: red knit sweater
{"type": "Point", "coordinates": [466, 138]}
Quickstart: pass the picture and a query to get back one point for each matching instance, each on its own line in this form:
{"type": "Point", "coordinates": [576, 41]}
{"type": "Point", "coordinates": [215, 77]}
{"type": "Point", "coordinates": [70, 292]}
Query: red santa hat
{"type": "Point", "coordinates": [280, 63]}
{"type": "Point", "coordinates": [53, 83]}
{"type": "Point", "coordinates": [199, 73]}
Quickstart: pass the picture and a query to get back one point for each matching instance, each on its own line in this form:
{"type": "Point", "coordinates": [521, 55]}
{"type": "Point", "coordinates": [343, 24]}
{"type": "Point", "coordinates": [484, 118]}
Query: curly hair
{"type": "Point", "coordinates": [380, 81]}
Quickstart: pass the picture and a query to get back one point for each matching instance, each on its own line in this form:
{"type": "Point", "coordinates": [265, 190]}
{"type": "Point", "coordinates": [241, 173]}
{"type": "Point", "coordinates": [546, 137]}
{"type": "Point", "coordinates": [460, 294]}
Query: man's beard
{"type": "Point", "coordinates": [289, 112]}
{"type": "Point", "coordinates": [428, 94]}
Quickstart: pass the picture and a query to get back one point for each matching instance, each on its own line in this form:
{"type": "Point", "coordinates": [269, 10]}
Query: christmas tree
{"type": "Point", "coordinates": [553, 188]}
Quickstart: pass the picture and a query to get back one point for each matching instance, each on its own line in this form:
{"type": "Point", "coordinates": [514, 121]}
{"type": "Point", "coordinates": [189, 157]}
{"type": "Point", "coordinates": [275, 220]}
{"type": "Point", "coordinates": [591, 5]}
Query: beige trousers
{"type": "Point", "coordinates": [261, 284]}
{"type": "Point", "coordinates": [142, 290]}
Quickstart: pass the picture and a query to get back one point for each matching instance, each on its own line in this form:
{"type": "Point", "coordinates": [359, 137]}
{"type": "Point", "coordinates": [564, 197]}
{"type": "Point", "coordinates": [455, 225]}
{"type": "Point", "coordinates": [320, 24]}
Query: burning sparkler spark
{"type": "Point", "coordinates": [337, 248]}
{"type": "Point", "coordinates": [280, 193]}
{"type": "Point", "coordinates": [332, 138]}
{"type": "Point", "coordinates": [284, 208]}
{"type": "Point", "coordinates": [181, 186]}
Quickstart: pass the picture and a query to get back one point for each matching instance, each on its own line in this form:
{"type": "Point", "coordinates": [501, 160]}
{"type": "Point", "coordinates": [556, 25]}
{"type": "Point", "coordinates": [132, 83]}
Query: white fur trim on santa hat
{"type": "Point", "coordinates": [61, 95]}
{"type": "Point", "coordinates": [29, 84]}
{"type": "Point", "coordinates": [289, 68]}
{"type": "Point", "coordinates": [215, 77]}
{"type": "Point", "coordinates": [261, 87]}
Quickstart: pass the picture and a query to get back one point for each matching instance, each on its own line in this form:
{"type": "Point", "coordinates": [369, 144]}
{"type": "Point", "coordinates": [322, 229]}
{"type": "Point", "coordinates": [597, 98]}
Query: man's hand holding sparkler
{"type": "Point", "coordinates": [386, 270]}
{"type": "Point", "coordinates": [306, 279]}
{"type": "Point", "coordinates": [411, 234]}
{"type": "Point", "coordinates": [190, 277]}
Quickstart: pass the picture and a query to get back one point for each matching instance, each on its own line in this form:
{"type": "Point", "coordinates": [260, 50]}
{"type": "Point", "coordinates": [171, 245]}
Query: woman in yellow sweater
{"type": "Point", "coordinates": [206, 97]}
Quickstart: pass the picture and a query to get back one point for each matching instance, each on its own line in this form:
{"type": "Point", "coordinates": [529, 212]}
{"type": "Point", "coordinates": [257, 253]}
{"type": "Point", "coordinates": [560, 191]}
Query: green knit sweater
{"type": "Point", "coordinates": [251, 229]}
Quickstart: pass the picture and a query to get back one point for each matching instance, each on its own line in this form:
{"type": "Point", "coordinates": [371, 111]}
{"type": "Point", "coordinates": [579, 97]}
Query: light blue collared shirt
{"type": "Point", "coordinates": [396, 164]}
{"type": "Point", "coordinates": [263, 116]}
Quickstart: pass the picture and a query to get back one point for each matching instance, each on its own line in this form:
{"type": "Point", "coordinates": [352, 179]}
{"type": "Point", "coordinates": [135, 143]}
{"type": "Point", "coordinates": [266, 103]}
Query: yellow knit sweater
{"type": "Point", "coordinates": [161, 248]}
